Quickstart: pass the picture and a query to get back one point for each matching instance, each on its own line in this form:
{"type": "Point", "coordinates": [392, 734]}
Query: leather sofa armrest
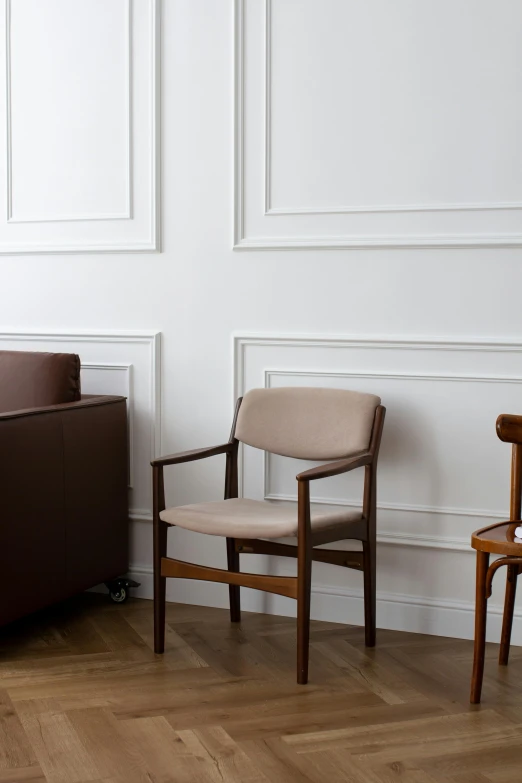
{"type": "Point", "coordinates": [87, 401]}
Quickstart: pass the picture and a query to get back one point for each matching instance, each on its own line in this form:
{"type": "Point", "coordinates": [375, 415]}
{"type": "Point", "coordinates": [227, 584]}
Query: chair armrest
{"type": "Point", "coordinates": [509, 428]}
{"type": "Point", "coordinates": [334, 468]}
{"type": "Point", "coordinates": [190, 456]}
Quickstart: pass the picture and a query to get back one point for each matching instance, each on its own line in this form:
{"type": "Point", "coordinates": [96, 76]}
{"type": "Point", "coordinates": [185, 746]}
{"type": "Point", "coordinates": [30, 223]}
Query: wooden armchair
{"type": "Point", "coordinates": [304, 423]}
{"type": "Point", "coordinates": [498, 539]}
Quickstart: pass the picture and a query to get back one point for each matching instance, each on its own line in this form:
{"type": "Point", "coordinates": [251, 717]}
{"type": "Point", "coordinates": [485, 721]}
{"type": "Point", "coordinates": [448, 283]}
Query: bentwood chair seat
{"type": "Point", "coordinates": [498, 539]}
{"type": "Point", "coordinates": [302, 423]}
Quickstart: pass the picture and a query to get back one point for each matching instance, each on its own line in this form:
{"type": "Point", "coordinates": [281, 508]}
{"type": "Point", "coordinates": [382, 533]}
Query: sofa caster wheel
{"type": "Point", "coordinates": [119, 596]}
{"type": "Point", "coordinates": [119, 589]}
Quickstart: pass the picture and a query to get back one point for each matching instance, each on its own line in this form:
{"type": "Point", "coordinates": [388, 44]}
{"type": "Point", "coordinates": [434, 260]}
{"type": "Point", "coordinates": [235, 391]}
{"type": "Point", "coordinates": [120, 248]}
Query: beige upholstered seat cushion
{"type": "Point", "coordinates": [242, 518]}
{"type": "Point", "coordinates": [307, 423]}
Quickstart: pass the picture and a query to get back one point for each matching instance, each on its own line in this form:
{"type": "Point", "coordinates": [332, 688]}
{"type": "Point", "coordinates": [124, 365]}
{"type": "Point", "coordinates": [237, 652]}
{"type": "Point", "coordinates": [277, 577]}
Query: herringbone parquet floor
{"type": "Point", "coordinates": [84, 698]}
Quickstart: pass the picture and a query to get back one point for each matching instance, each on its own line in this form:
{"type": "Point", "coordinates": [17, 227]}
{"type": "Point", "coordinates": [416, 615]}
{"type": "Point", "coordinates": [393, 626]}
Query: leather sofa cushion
{"type": "Point", "coordinates": [34, 379]}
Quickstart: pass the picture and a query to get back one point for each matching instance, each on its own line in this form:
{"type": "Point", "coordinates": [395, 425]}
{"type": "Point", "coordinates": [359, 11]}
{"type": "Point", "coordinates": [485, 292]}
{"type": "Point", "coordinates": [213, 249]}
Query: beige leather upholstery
{"type": "Point", "coordinates": [242, 518]}
{"type": "Point", "coordinates": [307, 423]}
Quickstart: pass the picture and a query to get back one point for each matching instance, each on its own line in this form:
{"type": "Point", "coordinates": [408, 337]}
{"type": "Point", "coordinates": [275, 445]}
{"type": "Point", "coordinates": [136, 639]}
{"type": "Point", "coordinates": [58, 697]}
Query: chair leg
{"type": "Point", "coordinates": [509, 606]}
{"type": "Point", "coordinates": [480, 627]}
{"type": "Point", "coordinates": [233, 590]}
{"type": "Point", "coordinates": [304, 587]}
{"type": "Point", "coordinates": [370, 594]}
{"type": "Point", "coordinates": [160, 585]}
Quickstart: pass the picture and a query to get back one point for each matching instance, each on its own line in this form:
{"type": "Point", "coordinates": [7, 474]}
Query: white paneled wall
{"type": "Point", "coordinates": [377, 124]}
{"type": "Point", "coordinates": [367, 155]}
{"type": "Point", "coordinates": [79, 87]}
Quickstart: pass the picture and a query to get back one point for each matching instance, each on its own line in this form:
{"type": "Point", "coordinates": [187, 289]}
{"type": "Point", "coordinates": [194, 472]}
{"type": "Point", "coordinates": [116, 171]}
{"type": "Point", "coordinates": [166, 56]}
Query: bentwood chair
{"type": "Point", "coordinates": [303, 423]}
{"type": "Point", "coordinates": [498, 539]}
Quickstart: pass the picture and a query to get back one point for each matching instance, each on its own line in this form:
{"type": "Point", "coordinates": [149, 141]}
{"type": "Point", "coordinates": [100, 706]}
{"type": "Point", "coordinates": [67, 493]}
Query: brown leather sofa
{"type": "Point", "coordinates": [63, 483]}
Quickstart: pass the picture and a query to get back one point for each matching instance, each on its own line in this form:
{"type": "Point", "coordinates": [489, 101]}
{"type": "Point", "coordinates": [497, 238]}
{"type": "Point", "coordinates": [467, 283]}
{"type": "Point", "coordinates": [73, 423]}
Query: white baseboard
{"type": "Point", "coordinates": [395, 611]}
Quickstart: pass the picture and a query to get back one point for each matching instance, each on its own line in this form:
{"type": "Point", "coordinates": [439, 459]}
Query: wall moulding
{"type": "Point", "coordinates": [114, 207]}
{"type": "Point", "coordinates": [260, 222]}
{"type": "Point", "coordinates": [125, 369]}
{"type": "Point", "coordinates": [475, 365]}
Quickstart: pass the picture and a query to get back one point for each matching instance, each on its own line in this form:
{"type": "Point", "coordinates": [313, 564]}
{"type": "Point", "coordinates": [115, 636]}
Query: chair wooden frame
{"type": "Point", "coordinates": [294, 587]}
{"type": "Point", "coordinates": [509, 430]}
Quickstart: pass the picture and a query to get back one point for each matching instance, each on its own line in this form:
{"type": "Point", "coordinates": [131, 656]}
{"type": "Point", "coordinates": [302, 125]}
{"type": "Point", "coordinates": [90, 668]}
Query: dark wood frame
{"type": "Point", "coordinates": [294, 587]}
{"type": "Point", "coordinates": [509, 430]}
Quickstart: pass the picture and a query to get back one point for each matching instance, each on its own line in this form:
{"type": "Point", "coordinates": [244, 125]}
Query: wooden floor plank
{"type": "Point", "coordinates": [15, 748]}
{"type": "Point", "coordinates": [232, 764]}
{"type": "Point", "coordinates": [328, 714]}
{"type": "Point", "coordinates": [276, 761]}
{"type": "Point", "coordinates": [100, 735]}
{"type": "Point", "coordinates": [60, 752]}
{"type": "Point", "coordinates": [423, 732]}
{"type": "Point", "coordinates": [31, 774]}
{"type": "Point", "coordinates": [161, 750]}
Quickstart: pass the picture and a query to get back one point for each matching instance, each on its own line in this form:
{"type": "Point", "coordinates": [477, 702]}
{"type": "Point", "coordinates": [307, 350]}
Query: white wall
{"type": "Point", "coordinates": [423, 308]}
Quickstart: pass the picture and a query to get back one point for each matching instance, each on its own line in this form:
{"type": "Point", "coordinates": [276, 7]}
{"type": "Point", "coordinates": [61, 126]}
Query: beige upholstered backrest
{"type": "Point", "coordinates": [307, 423]}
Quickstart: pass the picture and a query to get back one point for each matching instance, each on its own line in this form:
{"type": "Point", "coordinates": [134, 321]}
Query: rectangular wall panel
{"type": "Point", "coordinates": [68, 110]}
{"type": "Point", "coordinates": [378, 123]}
{"type": "Point", "coordinates": [79, 91]}
{"type": "Point", "coordinates": [442, 474]}
{"type": "Point", "coordinates": [443, 471]}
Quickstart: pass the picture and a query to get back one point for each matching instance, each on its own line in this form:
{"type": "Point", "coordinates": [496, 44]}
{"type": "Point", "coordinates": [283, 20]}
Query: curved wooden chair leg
{"type": "Point", "coordinates": [509, 606]}
{"type": "Point", "coordinates": [480, 627]}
